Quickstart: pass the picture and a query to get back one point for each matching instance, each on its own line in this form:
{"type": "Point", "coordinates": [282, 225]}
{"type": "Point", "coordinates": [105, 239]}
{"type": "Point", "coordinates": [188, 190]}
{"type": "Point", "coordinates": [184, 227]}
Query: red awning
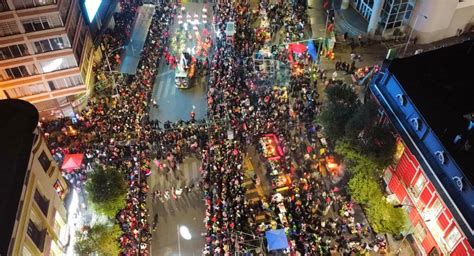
{"type": "Point", "coordinates": [72, 161]}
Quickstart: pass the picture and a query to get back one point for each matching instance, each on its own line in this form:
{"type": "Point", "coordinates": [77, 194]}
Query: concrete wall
{"type": "Point", "coordinates": [463, 19]}
{"type": "Point", "coordinates": [445, 17]}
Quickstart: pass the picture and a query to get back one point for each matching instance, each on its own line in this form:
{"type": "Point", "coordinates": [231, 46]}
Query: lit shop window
{"type": "Point", "coordinates": [435, 209]}
{"type": "Point", "coordinates": [419, 185]}
{"type": "Point", "coordinates": [453, 237]}
{"type": "Point", "coordinates": [59, 189]}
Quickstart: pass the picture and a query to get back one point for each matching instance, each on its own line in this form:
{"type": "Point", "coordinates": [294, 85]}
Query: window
{"type": "Point", "coordinates": [64, 8]}
{"type": "Point", "coordinates": [42, 23]}
{"type": "Point", "coordinates": [435, 209]}
{"type": "Point", "coordinates": [453, 237]}
{"type": "Point", "coordinates": [44, 161]}
{"type": "Point", "coordinates": [419, 232]}
{"type": "Point", "coordinates": [58, 64]}
{"type": "Point", "coordinates": [396, 13]}
{"type": "Point", "coordinates": [37, 236]}
{"type": "Point", "coordinates": [22, 4]}
{"type": "Point", "coordinates": [26, 90]}
{"type": "Point", "coordinates": [17, 72]}
{"type": "Point", "coordinates": [59, 189]}
{"type": "Point", "coordinates": [42, 202]}
{"type": "Point", "coordinates": [51, 44]}
{"type": "Point", "coordinates": [73, 24]}
{"type": "Point", "coordinates": [4, 6]}
{"type": "Point", "coordinates": [13, 51]}
{"type": "Point", "coordinates": [419, 185]}
{"type": "Point", "coordinates": [26, 252]}
{"type": "Point", "coordinates": [387, 176]}
{"type": "Point", "coordinates": [65, 82]}
{"type": "Point", "coordinates": [9, 28]}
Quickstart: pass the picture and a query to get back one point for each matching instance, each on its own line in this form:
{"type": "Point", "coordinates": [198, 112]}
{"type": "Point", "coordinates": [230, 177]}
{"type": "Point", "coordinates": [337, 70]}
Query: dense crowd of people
{"type": "Point", "coordinates": [116, 132]}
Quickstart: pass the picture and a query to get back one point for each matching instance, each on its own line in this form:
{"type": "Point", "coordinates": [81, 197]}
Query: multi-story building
{"type": "Point", "coordinates": [432, 20]}
{"type": "Point", "coordinates": [47, 53]}
{"type": "Point", "coordinates": [33, 218]}
{"type": "Point", "coordinates": [427, 98]}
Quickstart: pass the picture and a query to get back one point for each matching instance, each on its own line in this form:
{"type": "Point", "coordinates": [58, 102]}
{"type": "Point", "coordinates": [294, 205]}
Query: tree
{"type": "Point", "coordinates": [356, 160]}
{"type": "Point", "coordinates": [379, 145]}
{"type": "Point", "coordinates": [384, 218]}
{"type": "Point", "coordinates": [106, 190]}
{"type": "Point", "coordinates": [363, 119]}
{"type": "Point", "coordinates": [342, 93]}
{"type": "Point", "coordinates": [333, 118]}
{"type": "Point", "coordinates": [369, 136]}
{"type": "Point", "coordinates": [339, 107]}
{"type": "Point", "coordinates": [100, 238]}
{"type": "Point", "coordinates": [364, 189]}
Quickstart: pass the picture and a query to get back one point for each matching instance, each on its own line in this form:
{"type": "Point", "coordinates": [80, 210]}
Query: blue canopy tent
{"type": "Point", "coordinates": [276, 239]}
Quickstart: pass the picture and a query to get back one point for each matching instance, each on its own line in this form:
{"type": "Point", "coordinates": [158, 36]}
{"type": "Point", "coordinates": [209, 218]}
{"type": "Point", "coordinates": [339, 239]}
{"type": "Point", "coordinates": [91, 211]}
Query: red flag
{"type": "Point", "coordinates": [326, 4]}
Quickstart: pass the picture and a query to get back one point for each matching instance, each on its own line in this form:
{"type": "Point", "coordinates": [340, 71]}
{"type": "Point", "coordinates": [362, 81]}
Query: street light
{"type": "Point", "coordinates": [114, 85]}
{"type": "Point", "coordinates": [182, 231]}
{"type": "Point", "coordinates": [412, 29]}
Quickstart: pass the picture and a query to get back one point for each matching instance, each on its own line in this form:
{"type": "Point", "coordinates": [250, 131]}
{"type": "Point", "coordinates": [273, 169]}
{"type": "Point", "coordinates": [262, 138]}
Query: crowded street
{"type": "Point", "coordinates": [184, 151]}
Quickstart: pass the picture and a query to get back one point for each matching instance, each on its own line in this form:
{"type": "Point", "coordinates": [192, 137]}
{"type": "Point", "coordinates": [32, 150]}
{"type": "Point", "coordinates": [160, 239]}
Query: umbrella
{"type": "Point", "coordinates": [72, 161]}
{"type": "Point", "coordinates": [298, 48]}
{"type": "Point", "coordinates": [276, 239]}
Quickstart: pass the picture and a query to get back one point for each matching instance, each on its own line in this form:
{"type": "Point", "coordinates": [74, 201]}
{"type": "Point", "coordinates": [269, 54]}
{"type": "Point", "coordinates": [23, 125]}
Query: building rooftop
{"type": "Point", "coordinates": [18, 120]}
{"type": "Point", "coordinates": [441, 85]}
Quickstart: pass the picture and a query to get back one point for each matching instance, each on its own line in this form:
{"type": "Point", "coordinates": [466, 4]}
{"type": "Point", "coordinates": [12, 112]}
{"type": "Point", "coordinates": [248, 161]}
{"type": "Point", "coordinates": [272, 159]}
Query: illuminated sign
{"type": "Point", "coordinates": [92, 6]}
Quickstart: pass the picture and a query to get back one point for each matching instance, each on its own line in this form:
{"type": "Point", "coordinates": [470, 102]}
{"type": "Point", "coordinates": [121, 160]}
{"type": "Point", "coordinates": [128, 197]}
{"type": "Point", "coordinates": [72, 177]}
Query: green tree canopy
{"type": "Point", "coordinates": [363, 119]}
{"type": "Point", "coordinates": [343, 94]}
{"type": "Point", "coordinates": [333, 118]}
{"type": "Point", "coordinates": [364, 189]}
{"type": "Point", "coordinates": [356, 161]}
{"type": "Point", "coordinates": [339, 107]}
{"type": "Point", "coordinates": [100, 238]}
{"type": "Point", "coordinates": [370, 137]}
{"type": "Point", "coordinates": [106, 190]}
{"type": "Point", "coordinates": [384, 218]}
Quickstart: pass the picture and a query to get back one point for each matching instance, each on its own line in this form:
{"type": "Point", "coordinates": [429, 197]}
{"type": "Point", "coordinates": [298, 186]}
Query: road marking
{"type": "Point", "coordinates": [167, 89]}
{"type": "Point", "coordinates": [173, 91]}
{"type": "Point", "coordinates": [165, 73]}
{"type": "Point", "coordinates": [160, 90]}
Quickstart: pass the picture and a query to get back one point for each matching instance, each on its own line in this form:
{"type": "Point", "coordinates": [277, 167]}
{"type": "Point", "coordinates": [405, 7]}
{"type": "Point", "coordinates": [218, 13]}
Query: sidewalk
{"type": "Point", "coordinates": [412, 48]}
{"type": "Point", "coordinates": [373, 54]}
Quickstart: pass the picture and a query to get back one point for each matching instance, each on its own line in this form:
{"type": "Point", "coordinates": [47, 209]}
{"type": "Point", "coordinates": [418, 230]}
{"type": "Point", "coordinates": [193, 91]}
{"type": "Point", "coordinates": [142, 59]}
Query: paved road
{"type": "Point", "coordinates": [185, 211]}
{"type": "Point", "coordinates": [176, 104]}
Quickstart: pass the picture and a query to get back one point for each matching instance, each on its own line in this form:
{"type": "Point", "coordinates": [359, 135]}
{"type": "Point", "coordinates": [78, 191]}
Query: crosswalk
{"type": "Point", "coordinates": [165, 85]}
{"type": "Point", "coordinates": [188, 173]}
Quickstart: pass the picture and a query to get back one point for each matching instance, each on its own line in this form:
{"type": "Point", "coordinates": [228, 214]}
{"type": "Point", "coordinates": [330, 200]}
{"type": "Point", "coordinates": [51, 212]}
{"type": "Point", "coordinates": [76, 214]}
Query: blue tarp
{"type": "Point", "coordinates": [276, 239]}
{"type": "Point", "coordinates": [312, 50]}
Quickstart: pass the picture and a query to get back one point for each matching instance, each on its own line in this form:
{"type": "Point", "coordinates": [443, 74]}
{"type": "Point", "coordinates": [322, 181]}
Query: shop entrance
{"type": "Point", "coordinates": [364, 7]}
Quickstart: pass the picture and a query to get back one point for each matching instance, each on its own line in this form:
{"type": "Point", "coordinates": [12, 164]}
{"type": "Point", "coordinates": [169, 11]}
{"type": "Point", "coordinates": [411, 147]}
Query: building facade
{"type": "Point", "coordinates": [431, 20]}
{"type": "Point", "coordinates": [433, 116]}
{"type": "Point", "coordinates": [34, 221]}
{"type": "Point", "coordinates": [46, 54]}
